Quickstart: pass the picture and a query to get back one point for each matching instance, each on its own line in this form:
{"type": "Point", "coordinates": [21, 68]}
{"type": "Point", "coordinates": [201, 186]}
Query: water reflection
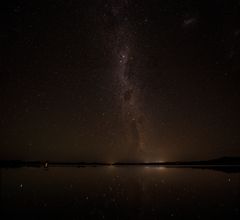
{"type": "Point", "coordinates": [119, 193]}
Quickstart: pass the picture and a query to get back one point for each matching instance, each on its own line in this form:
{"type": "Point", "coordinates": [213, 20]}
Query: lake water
{"type": "Point", "coordinates": [119, 193]}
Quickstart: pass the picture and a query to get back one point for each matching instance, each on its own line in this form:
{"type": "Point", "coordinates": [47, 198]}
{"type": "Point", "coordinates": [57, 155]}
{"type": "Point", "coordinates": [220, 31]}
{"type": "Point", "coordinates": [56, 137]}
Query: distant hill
{"type": "Point", "coordinates": [223, 161]}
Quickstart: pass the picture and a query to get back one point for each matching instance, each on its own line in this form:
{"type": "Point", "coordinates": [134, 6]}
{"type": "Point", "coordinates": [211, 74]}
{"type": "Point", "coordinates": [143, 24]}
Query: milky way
{"type": "Point", "coordinates": [128, 91]}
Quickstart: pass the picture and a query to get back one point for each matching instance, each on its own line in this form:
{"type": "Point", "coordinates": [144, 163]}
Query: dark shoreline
{"type": "Point", "coordinates": [224, 163]}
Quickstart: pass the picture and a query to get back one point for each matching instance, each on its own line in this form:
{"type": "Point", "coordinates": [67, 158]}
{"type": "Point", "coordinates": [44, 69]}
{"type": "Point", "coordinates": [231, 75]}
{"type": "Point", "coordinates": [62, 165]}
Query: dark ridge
{"type": "Point", "coordinates": [19, 163]}
{"type": "Point", "coordinates": [223, 161]}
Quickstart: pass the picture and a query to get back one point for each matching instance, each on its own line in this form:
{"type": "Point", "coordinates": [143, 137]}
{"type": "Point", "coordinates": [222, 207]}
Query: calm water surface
{"type": "Point", "coordinates": [119, 193]}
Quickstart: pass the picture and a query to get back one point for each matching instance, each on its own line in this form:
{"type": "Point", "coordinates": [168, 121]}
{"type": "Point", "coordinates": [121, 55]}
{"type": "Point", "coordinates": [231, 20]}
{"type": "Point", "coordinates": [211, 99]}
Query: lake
{"type": "Point", "coordinates": [119, 193]}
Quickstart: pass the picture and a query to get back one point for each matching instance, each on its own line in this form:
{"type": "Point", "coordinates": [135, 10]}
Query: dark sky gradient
{"type": "Point", "coordinates": [119, 80]}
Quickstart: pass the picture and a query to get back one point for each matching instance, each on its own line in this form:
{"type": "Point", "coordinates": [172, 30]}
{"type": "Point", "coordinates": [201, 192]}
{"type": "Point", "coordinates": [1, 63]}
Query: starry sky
{"type": "Point", "coordinates": [104, 80]}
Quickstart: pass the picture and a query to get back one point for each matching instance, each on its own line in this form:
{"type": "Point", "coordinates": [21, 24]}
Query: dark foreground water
{"type": "Point", "coordinates": [118, 193]}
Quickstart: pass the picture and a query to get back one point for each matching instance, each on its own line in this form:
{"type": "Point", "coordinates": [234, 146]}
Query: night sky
{"type": "Point", "coordinates": [105, 80]}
